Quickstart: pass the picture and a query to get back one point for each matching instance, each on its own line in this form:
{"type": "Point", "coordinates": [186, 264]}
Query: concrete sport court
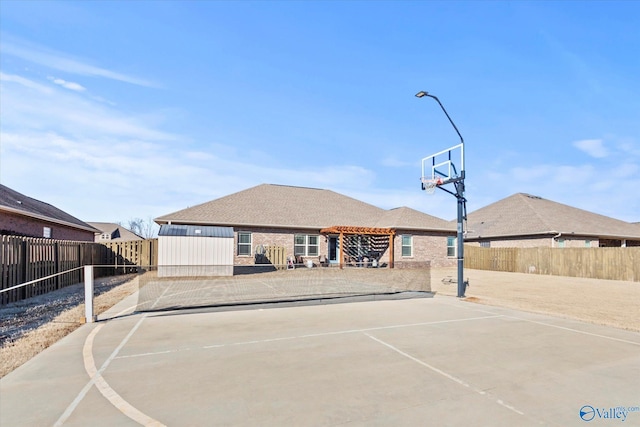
{"type": "Point", "coordinates": [435, 361]}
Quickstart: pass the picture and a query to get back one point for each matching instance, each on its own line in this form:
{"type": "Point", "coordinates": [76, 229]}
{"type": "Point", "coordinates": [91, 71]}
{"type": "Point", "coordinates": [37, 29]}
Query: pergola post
{"type": "Point", "coordinates": [391, 258]}
{"type": "Point", "coordinates": [341, 255]}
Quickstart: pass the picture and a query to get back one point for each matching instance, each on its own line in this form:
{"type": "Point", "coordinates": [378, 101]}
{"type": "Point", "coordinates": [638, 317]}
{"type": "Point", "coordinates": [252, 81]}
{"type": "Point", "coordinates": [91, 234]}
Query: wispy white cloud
{"type": "Point", "coordinates": [67, 112]}
{"type": "Point", "coordinates": [66, 148]}
{"type": "Point", "coordinates": [629, 147]}
{"type": "Point", "coordinates": [11, 78]}
{"type": "Point", "coordinates": [593, 147]}
{"type": "Point", "coordinates": [602, 186]}
{"type": "Point", "coordinates": [68, 85]}
{"type": "Point", "coordinates": [394, 162]}
{"type": "Point", "coordinates": [63, 62]}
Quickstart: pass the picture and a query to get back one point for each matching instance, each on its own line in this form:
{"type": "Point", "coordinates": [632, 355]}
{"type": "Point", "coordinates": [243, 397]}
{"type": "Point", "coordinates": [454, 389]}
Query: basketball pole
{"type": "Point", "coordinates": [459, 194]}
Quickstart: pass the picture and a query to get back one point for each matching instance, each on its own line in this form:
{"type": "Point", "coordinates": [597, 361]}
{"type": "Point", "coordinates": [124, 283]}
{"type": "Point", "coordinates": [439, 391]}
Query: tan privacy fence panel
{"type": "Point", "coordinates": [137, 252]}
{"type": "Point", "coordinates": [596, 263]}
{"type": "Point", "coordinates": [23, 259]}
{"type": "Point", "coordinates": [276, 255]}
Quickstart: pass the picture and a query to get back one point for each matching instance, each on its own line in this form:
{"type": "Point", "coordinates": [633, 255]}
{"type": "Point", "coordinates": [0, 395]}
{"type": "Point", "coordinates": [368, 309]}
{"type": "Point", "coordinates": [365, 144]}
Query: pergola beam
{"type": "Point", "coordinates": [349, 229]}
{"type": "Point", "coordinates": [355, 230]}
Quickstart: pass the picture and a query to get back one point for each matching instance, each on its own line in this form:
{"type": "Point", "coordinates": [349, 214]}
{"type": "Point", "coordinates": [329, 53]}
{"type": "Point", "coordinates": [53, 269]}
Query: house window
{"type": "Point", "coordinates": [244, 243]}
{"type": "Point", "coordinates": [407, 245]}
{"type": "Point", "coordinates": [46, 232]}
{"type": "Point", "coordinates": [561, 243]}
{"type": "Point", "coordinates": [587, 243]}
{"type": "Point", "coordinates": [305, 245]}
{"type": "Point", "coordinates": [105, 236]}
{"type": "Point", "coordinates": [485, 244]}
{"type": "Point", "coordinates": [451, 246]}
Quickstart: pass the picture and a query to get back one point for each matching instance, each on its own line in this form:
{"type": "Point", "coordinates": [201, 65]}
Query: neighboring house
{"type": "Point", "coordinates": [110, 232]}
{"type": "Point", "coordinates": [23, 216]}
{"type": "Point", "coordinates": [523, 220]}
{"type": "Point", "coordinates": [322, 226]}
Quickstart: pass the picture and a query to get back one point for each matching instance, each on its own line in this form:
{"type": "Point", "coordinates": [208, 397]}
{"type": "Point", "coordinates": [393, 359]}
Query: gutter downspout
{"type": "Point", "coordinates": [554, 238]}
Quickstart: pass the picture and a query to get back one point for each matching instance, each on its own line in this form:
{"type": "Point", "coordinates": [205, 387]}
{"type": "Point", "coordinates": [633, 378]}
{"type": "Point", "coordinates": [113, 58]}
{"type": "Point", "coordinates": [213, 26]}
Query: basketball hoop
{"type": "Point", "coordinates": [429, 184]}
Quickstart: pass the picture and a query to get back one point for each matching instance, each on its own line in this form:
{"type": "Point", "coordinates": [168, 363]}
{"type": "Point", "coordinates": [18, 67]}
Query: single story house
{"type": "Point", "coordinates": [523, 220]}
{"type": "Point", "coordinates": [21, 215]}
{"type": "Point", "coordinates": [111, 232]}
{"type": "Point", "coordinates": [323, 227]}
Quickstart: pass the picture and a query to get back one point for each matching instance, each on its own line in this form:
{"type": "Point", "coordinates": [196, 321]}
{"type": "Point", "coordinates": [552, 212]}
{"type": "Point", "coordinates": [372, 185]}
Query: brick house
{"type": "Point", "coordinates": [523, 220]}
{"type": "Point", "coordinates": [23, 216]}
{"type": "Point", "coordinates": [323, 227]}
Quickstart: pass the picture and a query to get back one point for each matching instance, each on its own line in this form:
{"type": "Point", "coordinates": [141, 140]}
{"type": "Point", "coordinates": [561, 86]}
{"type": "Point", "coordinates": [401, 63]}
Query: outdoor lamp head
{"type": "Point", "coordinates": [421, 94]}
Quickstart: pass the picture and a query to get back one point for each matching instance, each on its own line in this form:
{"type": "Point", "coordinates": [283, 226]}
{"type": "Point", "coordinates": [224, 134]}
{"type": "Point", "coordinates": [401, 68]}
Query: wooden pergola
{"type": "Point", "coordinates": [343, 230]}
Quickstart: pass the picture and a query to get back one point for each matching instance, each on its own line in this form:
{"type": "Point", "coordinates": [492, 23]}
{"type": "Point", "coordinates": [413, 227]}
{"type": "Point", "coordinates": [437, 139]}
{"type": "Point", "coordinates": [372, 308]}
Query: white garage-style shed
{"type": "Point", "coordinates": [193, 250]}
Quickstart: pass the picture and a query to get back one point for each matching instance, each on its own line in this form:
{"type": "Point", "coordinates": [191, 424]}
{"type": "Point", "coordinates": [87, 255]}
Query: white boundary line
{"type": "Point", "coordinates": [444, 374]}
{"type": "Point", "coordinates": [578, 331]}
{"type": "Point", "coordinates": [320, 334]}
{"type": "Point", "coordinates": [101, 384]}
{"type": "Point", "coordinates": [575, 330]}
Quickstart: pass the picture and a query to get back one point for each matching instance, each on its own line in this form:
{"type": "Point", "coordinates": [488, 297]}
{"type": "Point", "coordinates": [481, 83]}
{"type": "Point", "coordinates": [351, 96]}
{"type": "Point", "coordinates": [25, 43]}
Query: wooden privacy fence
{"type": "Point", "coordinates": [143, 253]}
{"type": "Point", "coordinates": [274, 255]}
{"type": "Point", "coordinates": [23, 259]}
{"type": "Point", "coordinates": [596, 263]}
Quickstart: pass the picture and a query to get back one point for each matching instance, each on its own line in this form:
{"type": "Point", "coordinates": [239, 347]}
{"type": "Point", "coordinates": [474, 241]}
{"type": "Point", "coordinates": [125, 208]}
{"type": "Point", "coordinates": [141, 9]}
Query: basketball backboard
{"type": "Point", "coordinates": [444, 167]}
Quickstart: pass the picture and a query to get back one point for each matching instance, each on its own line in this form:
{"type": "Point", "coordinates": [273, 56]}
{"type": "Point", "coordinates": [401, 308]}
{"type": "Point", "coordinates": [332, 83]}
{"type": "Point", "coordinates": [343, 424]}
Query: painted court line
{"type": "Point", "coordinates": [549, 324]}
{"type": "Point", "coordinates": [296, 337]}
{"type": "Point", "coordinates": [575, 330]}
{"type": "Point", "coordinates": [160, 297]}
{"type": "Point", "coordinates": [101, 384]}
{"type": "Point", "coordinates": [443, 373]}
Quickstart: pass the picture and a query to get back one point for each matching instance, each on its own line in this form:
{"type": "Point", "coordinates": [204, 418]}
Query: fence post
{"type": "Point", "coordinates": [88, 294]}
{"type": "Point", "coordinates": [57, 256]}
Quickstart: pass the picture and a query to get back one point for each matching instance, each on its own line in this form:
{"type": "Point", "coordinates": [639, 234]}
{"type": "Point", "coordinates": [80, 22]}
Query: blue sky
{"type": "Point", "coordinates": [116, 110]}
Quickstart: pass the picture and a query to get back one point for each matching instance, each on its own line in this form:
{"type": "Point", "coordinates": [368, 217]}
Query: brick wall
{"type": "Point", "coordinates": [426, 247]}
{"type": "Point", "coordinates": [25, 226]}
{"type": "Point", "coordinates": [272, 237]}
{"type": "Point", "coordinates": [577, 242]}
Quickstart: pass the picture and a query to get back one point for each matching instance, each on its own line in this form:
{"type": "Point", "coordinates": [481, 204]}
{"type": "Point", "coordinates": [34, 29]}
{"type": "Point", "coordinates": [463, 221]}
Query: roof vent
{"type": "Point", "coordinates": [531, 196]}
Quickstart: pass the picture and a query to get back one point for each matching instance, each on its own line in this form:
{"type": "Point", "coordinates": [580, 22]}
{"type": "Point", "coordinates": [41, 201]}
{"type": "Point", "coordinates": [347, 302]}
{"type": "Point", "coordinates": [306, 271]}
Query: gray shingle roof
{"type": "Point", "coordinates": [282, 206]}
{"type": "Point", "coordinates": [524, 215]}
{"type": "Point", "coordinates": [117, 232]}
{"type": "Point", "coordinates": [12, 201]}
{"type": "Point", "coordinates": [407, 218]}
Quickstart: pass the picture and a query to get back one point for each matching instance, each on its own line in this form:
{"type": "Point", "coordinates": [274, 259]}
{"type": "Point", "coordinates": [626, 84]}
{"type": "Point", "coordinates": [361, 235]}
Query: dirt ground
{"type": "Point", "coordinates": [28, 327]}
{"type": "Point", "coordinates": [604, 302]}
